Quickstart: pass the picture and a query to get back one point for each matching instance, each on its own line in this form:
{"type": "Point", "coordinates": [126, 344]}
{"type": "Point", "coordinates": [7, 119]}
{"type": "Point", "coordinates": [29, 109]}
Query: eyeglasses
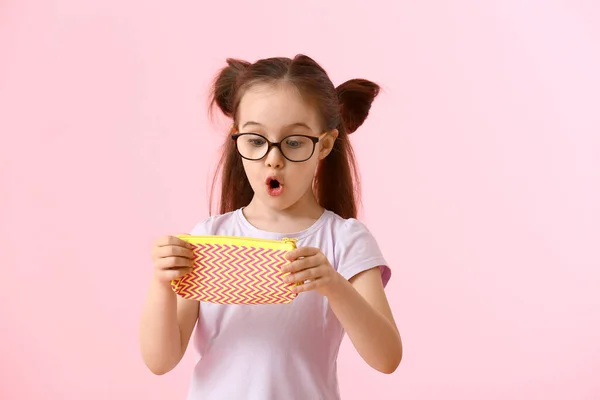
{"type": "Point", "coordinates": [295, 148]}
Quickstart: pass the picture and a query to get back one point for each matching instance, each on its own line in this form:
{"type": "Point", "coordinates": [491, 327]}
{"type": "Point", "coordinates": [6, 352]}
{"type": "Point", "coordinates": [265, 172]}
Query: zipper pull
{"type": "Point", "coordinates": [290, 241]}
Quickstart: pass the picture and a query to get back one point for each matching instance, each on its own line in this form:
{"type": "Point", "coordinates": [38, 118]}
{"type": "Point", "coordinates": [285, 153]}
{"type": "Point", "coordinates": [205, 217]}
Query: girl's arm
{"type": "Point", "coordinates": [167, 324]}
{"type": "Point", "coordinates": [362, 308]}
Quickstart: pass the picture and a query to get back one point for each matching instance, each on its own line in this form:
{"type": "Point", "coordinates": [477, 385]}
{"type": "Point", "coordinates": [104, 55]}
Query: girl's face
{"type": "Point", "coordinates": [278, 113]}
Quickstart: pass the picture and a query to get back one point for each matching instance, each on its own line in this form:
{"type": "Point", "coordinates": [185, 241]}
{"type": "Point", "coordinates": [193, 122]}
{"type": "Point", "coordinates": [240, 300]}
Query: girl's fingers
{"type": "Point", "coordinates": [170, 251]}
{"type": "Point", "coordinates": [170, 240]}
{"type": "Point", "coordinates": [299, 265]}
{"type": "Point", "coordinates": [174, 262]}
{"type": "Point", "coordinates": [175, 273]}
{"type": "Point", "coordinates": [304, 275]}
{"type": "Point", "coordinates": [302, 252]}
{"type": "Point", "coordinates": [312, 285]}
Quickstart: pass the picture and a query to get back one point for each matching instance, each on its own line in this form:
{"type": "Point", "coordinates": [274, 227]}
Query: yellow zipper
{"type": "Point", "coordinates": [223, 239]}
{"type": "Point", "coordinates": [242, 238]}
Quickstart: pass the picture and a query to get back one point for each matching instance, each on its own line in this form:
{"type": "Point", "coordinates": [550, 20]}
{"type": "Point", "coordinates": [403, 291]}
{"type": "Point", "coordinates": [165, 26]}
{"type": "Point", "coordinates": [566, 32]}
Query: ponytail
{"type": "Point", "coordinates": [236, 191]}
{"type": "Point", "coordinates": [337, 182]}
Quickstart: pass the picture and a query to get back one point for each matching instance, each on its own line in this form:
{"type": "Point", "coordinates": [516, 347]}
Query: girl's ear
{"type": "Point", "coordinates": [326, 144]}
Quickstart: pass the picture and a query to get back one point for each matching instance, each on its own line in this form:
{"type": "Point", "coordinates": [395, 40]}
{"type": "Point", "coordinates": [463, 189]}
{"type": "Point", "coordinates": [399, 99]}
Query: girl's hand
{"type": "Point", "coordinates": [173, 258]}
{"type": "Point", "coordinates": [310, 264]}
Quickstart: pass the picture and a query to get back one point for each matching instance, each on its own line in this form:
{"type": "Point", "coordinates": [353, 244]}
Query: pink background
{"type": "Point", "coordinates": [481, 165]}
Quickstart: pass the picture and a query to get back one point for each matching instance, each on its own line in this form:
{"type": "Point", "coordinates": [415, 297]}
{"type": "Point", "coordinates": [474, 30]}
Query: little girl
{"type": "Point", "coordinates": [287, 170]}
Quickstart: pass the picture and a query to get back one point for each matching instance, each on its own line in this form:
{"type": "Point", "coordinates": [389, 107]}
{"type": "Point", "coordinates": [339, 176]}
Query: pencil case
{"type": "Point", "coordinates": [237, 270]}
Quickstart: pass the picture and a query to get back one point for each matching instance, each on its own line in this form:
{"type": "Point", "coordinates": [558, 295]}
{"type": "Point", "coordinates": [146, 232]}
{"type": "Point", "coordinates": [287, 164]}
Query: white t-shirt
{"type": "Point", "coordinates": [279, 351]}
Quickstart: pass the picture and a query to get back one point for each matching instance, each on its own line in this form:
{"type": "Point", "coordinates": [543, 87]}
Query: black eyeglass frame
{"type": "Point", "coordinates": [313, 139]}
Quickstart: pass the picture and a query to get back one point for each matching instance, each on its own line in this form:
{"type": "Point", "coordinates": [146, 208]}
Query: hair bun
{"type": "Point", "coordinates": [355, 97]}
{"type": "Point", "coordinates": [225, 84]}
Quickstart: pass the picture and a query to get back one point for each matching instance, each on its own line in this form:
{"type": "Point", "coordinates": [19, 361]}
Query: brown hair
{"type": "Point", "coordinates": [336, 185]}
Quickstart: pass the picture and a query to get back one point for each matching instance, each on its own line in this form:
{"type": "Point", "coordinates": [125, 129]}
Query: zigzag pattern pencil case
{"type": "Point", "coordinates": [236, 270]}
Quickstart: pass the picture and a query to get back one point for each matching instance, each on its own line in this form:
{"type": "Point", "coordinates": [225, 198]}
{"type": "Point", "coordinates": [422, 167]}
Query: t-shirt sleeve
{"type": "Point", "coordinates": [203, 227]}
{"type": "Point", "coordinates": [357, 251]}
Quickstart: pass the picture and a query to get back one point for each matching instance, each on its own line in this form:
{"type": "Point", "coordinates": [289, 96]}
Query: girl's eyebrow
{"type": "Point", "coordinates": [294, 125]}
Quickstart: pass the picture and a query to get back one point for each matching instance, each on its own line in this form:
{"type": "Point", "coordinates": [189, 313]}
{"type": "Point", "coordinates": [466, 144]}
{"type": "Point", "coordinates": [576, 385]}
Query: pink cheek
{"type": "Point", "coordinates": [254, 172]}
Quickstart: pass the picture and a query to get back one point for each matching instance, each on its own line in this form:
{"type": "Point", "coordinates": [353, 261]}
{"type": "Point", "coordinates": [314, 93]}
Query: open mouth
{"type": "Point", "coordinates": [274, 186]}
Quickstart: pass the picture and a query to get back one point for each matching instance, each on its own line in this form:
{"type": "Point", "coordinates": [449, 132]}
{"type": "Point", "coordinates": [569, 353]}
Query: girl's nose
{"type": "Point", "coordinates": [274, 158]}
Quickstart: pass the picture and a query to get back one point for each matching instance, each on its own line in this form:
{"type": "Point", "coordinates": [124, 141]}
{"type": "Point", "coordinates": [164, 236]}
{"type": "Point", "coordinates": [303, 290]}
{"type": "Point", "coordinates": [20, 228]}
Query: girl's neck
{"type": "Point", "coordinates": [298, 217]}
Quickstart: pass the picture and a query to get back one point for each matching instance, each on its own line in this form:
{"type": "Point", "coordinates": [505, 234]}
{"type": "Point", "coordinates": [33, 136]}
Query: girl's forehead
{"type": "Point", "coordinates": [276, 106]}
